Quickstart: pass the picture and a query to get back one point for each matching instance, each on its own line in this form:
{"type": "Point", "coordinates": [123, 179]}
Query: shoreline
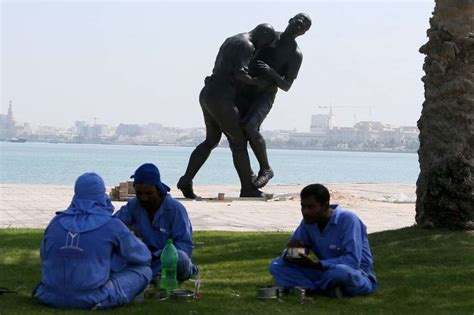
{"type": "Point", "coordinates": [220, 146]}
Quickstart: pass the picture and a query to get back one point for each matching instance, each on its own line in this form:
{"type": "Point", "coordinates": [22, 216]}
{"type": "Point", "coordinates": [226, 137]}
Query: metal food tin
{"type": "Point", "coordinates": [156, 293]}
{"type": "Point", "coordinates": [182, 295]}
{"type": "Point", "coordinates": [270, 292]}
{"type": "Point", "coordinates": [294, 252]}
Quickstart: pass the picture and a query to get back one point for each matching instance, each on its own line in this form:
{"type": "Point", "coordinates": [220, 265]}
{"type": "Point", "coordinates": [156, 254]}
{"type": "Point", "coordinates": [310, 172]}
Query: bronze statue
{"type": "Point", "coordinates": [217, 100]}
{"type": "Point", "coordinates": [279, 64]}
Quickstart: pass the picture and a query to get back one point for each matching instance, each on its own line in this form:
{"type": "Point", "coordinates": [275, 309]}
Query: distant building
{"type": "Point", "coordinates": [307, 138]}
{"type": "Point", "coordinates": [364, 135]}
{"type": "Point", "coordinates": [53, 133]}
{"type": "Point", "coordinates": [279, 135]}
{"type": "Point", "coordinates": [128, 130]}
{"type": "Point", "coordinates": [86, 131]}
{"type": "Point", "coordinates": [341, 135]}
{"type": "Point", "coordinates": [7, 124]}
{"type": "Point", "coordinates": [23, 130]}
{"type": "Point", "coordinates": [320, 124]}
{"type": "Point", "coordinates": [151, 129]}
{"type": "Point", "coordinates": [369, 131]}
{"type": "Point", "coordinates": [407, 134]}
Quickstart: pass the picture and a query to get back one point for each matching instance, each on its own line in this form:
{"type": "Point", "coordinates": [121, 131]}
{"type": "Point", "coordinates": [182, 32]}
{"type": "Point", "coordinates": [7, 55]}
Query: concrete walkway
{"type": "Point", "coordinates": [380, 206]}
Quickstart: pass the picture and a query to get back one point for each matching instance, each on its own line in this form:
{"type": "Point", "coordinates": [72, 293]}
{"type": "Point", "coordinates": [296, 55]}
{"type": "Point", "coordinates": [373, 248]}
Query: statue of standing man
{"type": "Point", "coordinates": [239, 94]}
{"type": "Point", "coordinates": [217, 100]}
{"type": "Point", "coordinates": [278, 64]}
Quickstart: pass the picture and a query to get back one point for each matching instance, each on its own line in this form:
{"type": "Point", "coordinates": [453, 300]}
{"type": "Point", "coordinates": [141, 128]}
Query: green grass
{"type": "Point", "coordinates": [420, 271]}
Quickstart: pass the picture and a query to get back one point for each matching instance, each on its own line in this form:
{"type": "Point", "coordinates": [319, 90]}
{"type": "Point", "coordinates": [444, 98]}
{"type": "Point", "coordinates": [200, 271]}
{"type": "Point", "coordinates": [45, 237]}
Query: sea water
{"type": "Point", "coordinates": [61, 164]}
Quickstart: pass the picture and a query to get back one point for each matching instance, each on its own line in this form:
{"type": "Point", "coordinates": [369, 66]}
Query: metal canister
{"type": "Point", "coordinates": [280, 291]}
{"type": "Point", "coordinates": [156, 293]}
{"type": "Point", "coordinates": [182, 295]}
{"type": "Point", "coordinates": [301, 293]}
{"type": "Point", "coordinates": [267, 293]}
{"type": "Point", "coordinates": [294, 252]}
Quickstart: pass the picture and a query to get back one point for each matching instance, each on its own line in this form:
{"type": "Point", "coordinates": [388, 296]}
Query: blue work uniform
{"type": "Point", "coordinates": [76, 255]}
{"type": "Point", "coordinates": [344, 253]}
{"type": "Point", "coordinates": [171, 221]}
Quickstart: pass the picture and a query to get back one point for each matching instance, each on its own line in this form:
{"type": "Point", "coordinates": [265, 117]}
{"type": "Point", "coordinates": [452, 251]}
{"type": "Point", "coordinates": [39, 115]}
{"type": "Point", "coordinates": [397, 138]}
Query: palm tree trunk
{"type": "Point", "coordinates": [445, 196]}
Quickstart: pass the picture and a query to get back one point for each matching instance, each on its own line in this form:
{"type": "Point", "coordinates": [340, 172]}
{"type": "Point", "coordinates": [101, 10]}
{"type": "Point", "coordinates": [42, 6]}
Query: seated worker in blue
{"type": "Point", "coordinates": [77, 249]}
{"type": "Point", "coordinates": [155, 217]}
{"type": "Point", "coordinates": [338, 238]}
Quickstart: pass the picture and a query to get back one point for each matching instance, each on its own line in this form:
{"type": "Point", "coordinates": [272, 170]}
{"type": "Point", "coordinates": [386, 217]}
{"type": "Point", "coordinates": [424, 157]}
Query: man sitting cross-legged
{"type": "Point", "coordinates": [338, 238]}
{"type": "Point", "coordinates": [156, 217]}
{"type": "Point", "coordinates": [77, 254]}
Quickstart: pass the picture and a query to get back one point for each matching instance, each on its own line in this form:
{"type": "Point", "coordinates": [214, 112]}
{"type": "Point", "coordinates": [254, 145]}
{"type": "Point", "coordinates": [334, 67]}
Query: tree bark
{"type": "Point", "coordinates": [445, 196]}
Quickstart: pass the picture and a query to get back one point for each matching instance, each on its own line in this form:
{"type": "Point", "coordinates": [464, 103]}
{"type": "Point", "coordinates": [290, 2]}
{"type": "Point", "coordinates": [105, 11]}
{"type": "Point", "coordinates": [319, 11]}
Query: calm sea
{"type": "Point", "coordinates": [47, 163]}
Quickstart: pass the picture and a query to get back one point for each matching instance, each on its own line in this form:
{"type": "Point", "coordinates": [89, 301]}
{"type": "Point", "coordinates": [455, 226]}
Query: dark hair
{"type": "Point", "coordinates": [318, 191]}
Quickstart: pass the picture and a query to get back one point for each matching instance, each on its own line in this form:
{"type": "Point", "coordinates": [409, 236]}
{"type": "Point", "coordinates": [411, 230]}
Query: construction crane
{"type": "Point", "coordinates": [331, 110]}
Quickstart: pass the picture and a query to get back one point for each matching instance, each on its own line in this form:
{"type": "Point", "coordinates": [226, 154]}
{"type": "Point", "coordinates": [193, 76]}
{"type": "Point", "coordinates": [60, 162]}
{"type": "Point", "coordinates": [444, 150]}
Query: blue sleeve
{"type": "Point", "coordinates": [182, 231]}
{"type": "Point", "coordinates": [42, 248]}
{"type": "Point", "coordinates": [43, 241]}
{"type": "Point", "coordinates": [351, 242]}
{"type": "Point", "coordinates": [302, 234]}
{"type": "Point", "coordinates": [125, 214]}
{"type": "Point", "coordinates": [130, 248]}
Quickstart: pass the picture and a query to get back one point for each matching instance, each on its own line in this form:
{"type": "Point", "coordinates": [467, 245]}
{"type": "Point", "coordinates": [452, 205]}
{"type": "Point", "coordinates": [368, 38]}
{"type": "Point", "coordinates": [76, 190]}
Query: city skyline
{"type": "Point", "coordinates": [322, 135]}
{"type": "Point", "coordinates": [97, 121]}
{"type": "Point", "coordinates": [125, 61]}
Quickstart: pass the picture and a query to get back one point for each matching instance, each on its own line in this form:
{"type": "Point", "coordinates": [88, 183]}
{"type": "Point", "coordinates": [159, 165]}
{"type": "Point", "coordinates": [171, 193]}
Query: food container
{"type": "Point", "coordinates": [267, 293]}
{"type": "Point", "coordinates": [270, 292]}
{"type": "Point", "coordinates": [281, 291]}
{"type": "Point", "coordinates": [156, 293]}
{"type": "Point", "coordinates": [301, 293]}
{"type": "Point", "coordinates": [182, 295]}
{"type": "Point", "coordinates": [294, 252]}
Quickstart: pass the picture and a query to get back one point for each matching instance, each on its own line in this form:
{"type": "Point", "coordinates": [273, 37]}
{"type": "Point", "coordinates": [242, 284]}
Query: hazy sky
{"type": "Point", "coordinates": [140, 62]}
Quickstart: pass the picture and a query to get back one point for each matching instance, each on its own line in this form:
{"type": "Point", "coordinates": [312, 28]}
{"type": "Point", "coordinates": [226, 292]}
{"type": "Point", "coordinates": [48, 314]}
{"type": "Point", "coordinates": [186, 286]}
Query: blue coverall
{"type": "Point", "coordinates": [171, 221]}
{"type": "Point", "coordinates": [77, 249]}
{"type": "Point", "coordinates": [344, 253]}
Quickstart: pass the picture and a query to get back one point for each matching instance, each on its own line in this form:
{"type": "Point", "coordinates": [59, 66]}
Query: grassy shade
{"type": "Point", "coordinates": [420, 271]}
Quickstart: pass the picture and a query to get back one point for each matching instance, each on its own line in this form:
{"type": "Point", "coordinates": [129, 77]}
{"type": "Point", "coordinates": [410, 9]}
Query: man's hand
{"type": "Point", "coordinates": [262, 66]}
{"type": "Point", "coordinates": [242, 76]}
{"type": "Point", "coordinates": [295, 243]}
{"type": "Point", "coordinates": [135, 231]}
{"type": "Point", "coordinates": [267, 71]}
{"type": "Point", "coordinates": [305, 261]}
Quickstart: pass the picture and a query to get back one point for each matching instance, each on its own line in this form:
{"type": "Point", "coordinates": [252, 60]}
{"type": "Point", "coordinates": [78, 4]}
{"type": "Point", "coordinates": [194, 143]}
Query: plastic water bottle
{"type": "Point", "coordinates": [169, 266]}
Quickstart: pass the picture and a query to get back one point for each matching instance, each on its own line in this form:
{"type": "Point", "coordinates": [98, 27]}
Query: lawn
{"type": "Point", "coordinates": [420, 271]}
